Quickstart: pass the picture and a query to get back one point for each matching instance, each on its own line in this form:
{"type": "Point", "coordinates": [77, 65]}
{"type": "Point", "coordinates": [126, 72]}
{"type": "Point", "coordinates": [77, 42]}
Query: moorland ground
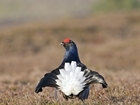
{"type": "Point", "coordinates": [107, 43]}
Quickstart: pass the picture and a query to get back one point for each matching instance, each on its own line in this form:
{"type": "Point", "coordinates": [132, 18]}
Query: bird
{"type": "Point", "coordinates": [72, 77]}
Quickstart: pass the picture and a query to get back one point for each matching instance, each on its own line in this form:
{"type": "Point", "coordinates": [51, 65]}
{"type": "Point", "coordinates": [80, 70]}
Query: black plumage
{"type": "Point", "coordinates": [71, 57]}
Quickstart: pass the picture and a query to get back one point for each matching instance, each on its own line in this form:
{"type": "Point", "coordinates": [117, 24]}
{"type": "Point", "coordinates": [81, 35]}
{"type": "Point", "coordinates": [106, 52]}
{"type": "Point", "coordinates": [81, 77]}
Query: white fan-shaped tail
{"type": "Point", "coordinates": [71, 79]}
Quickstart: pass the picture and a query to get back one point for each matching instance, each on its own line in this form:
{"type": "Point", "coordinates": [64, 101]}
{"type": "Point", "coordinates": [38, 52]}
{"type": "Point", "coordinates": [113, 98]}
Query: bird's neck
{"type": "Point", "coordinates": [71, 55]}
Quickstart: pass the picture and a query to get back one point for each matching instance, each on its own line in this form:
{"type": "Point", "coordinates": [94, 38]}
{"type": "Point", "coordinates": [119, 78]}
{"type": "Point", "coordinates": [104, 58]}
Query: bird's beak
{"type": "Point", "coordinates": [62, 43]}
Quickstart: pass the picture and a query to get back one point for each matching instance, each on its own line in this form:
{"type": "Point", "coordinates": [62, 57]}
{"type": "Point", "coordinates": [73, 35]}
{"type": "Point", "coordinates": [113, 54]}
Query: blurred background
{"type": "Point", "coordinates": [107, 33]}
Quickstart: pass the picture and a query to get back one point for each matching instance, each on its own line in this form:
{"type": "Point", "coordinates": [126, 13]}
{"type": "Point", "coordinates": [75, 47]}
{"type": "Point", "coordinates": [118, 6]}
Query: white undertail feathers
{"type": "Point", "coordinates": [71, 79]}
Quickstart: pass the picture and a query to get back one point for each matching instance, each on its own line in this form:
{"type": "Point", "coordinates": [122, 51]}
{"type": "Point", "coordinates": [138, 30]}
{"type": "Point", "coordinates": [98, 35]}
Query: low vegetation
{"type": "Point", "coordinates": [108, 43]}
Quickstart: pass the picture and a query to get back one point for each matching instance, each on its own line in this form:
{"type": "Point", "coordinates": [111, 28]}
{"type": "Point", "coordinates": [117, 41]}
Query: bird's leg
{"type": "Point", "coordinates": [55, 94]}
{"type": "Point", "coordinates": [66, 97]}
{"type": "Point", "coordinates": [83, 102]}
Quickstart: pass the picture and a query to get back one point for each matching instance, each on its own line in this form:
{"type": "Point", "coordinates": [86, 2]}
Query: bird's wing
{"type": "Point", "coordinates": [48, 80]}
{"type": "Point", "coordinates": [94, 77]}
{"type": "Point", "coordinates": [84, 94]}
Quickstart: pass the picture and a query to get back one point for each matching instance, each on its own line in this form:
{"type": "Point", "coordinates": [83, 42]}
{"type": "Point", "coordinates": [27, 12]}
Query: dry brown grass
{"type": "Point", "coordinates": [107, 43]}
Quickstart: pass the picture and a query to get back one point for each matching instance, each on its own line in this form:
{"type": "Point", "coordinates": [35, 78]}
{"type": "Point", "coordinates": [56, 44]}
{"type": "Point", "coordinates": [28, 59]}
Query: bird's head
{"type": "Point", "coordinates": [68, 43]}
{"type": "Point", "coordinates": [71, 53]}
